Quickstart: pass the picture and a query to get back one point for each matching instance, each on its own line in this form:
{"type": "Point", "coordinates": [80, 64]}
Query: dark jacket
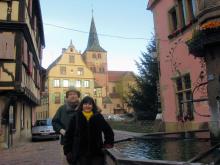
{"type": "Point", "coordinates": [90, 135]}
{"type": "Point", "coordinates": [62, 118]}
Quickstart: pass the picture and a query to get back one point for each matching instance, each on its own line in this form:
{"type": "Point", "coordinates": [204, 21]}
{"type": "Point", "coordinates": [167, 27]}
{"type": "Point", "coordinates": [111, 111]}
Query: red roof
{"type": "Point", "coordinates": [116, 75]}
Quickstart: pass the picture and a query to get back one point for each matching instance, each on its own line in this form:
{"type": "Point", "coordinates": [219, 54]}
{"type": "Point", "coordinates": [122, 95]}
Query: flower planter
{"type": "Point", "coordinates": [202, 40]}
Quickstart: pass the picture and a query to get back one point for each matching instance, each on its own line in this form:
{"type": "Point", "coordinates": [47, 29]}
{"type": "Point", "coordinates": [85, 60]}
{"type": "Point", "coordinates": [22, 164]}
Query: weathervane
{"type": "Point", "coordinates": [92, 8]}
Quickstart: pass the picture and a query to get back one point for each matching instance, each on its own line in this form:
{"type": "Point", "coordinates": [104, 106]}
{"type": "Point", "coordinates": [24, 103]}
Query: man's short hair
{"type": "Point", "coordinates": [73, 90]}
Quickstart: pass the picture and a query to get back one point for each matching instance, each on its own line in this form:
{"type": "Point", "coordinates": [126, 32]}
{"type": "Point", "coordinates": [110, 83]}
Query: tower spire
{"type": "Point", "coordinates": [93, 41]}
{"type": "Point", "coordinates": [71, 44]}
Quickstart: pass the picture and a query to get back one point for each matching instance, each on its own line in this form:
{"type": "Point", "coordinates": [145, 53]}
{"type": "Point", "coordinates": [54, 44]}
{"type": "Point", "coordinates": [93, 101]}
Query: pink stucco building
{"type": "Point", "coordinates": [182, 76]}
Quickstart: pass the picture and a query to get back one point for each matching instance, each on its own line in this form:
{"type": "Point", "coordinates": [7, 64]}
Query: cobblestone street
{"type": "Point", "coordinates": [42, 152]}
{"type": "Point", "coordinates": [36, 153]}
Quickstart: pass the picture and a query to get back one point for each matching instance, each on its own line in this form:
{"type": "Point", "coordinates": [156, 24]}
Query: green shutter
{"type": "Point", "coordinates": [61, 83]}
{"type": "Point", "coordinates": [62, 98]}
{"type": "Point", "coordinates": [52, 98]}
{"type": "Point", "coordinates": [52, 82]}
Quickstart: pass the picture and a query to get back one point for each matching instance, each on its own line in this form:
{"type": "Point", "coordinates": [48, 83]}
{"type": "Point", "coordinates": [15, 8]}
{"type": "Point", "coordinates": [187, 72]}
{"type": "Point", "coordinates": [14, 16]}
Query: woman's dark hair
{"type": "Point", "coordinates": [90, 100]}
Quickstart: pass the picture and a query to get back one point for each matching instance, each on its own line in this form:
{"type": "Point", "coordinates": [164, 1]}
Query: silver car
{"type": "Point", "coordinates": [43, 129]}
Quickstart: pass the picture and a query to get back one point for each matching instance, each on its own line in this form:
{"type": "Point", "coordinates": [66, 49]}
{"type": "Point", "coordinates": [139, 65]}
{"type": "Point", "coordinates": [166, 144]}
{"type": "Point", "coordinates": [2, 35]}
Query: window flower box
{"type": "Point", "coordinates": [208, 34]}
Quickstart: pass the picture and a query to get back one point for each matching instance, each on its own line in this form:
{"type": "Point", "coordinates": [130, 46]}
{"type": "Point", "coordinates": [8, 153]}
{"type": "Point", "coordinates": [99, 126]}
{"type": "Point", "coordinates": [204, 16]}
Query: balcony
{"type": "Point", "coordinates": [207, 36]}
{"type": "Point", "coordinates": [198, 45]}
{"type": "Point", "coordinates": [208, 10]}
{"type": "Point", "coordinates": [208, 33]}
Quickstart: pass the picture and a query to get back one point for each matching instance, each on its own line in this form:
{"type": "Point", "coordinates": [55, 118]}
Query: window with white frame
{"type": "Point", "coordinates": [86, 83]}
{"type": "Point", "coordinates": [56, 83]}
{"type": "Point", "coordinates": [78, 83]}
{"type": "Point", "coordinates": [65, 83]}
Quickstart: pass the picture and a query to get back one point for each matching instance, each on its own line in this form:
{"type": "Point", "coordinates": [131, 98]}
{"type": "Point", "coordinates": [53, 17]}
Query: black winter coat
{"type": "Point", "coordinates": [90, 135]}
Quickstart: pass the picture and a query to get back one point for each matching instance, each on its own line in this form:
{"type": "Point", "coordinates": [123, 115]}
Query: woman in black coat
{"type": "Point", "coordinates": [83, 142]}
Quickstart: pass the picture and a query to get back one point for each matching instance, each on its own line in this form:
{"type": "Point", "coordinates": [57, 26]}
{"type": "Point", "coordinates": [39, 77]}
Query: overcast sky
{"type": "Point", "coordinates": [117, 19]}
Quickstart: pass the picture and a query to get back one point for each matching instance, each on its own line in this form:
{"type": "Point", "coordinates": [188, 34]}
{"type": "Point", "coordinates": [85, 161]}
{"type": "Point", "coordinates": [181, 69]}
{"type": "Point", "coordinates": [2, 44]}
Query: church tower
{"type": "Point", "coordinates": [95, 58]}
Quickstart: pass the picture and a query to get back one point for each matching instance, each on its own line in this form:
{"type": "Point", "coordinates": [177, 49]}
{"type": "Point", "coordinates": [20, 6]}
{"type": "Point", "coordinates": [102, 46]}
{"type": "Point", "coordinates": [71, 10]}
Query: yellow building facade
{"type": "Point", "coordinates": [67, 71]}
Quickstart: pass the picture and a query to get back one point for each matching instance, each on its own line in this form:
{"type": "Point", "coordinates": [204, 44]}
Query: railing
{"type": "Point", "coordinates": [205, 154]}
{"type": "Point", "coordinates": [114, 157]}
{"type": "Point", "coordinates": [208, 9]}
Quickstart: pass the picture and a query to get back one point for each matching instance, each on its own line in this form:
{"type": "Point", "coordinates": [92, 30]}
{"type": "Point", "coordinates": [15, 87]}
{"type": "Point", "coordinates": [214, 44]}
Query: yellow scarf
{"type": "Point", "coordinates": [87, 115]}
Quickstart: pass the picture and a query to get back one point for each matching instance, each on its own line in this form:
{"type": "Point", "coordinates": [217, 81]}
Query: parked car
{"type": "Point", "coordinates": [43, 129]}
{"type": "Point", "coordinates": [115, 117]}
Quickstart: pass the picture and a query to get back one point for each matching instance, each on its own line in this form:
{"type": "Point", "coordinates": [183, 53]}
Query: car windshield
{"type": "Point", "coordinates": [43, 123]}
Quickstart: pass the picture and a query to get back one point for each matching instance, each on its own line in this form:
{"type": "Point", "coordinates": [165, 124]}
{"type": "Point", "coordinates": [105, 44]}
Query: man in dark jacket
{"type": "Point", "coordinates": [65, 112]}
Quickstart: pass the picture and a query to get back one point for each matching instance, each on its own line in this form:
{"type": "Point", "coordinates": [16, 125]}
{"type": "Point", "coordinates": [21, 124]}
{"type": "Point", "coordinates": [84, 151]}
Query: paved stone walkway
{"type": "Point", "coordinates": [43, 152]}
{"type": "Point", "coordinates": [32, 153]}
